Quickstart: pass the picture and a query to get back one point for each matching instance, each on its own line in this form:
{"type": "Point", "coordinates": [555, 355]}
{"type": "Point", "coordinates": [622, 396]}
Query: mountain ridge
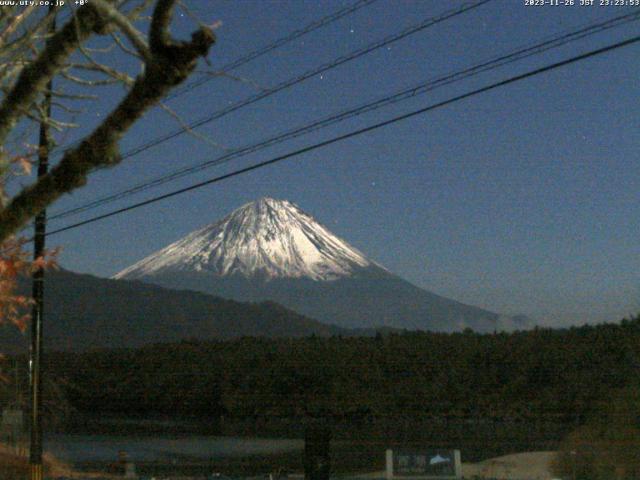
{"type": "Point", "coordinates": [273, 250]}
{"type": "Point", "coordinates": [84, 312]}
{"type": "Point", "coordinates": [267, 238]}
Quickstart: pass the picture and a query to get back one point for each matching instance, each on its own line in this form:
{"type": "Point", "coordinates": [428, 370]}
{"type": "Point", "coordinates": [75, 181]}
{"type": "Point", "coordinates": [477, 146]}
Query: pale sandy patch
{"type": "Point", "coordinates": [518, 466]}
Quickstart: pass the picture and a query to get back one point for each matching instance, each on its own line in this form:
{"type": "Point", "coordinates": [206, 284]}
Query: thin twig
{"type": "Point", "coordinates": [190, 130]}
{"type": "Point", "coordinates": [125, 26]}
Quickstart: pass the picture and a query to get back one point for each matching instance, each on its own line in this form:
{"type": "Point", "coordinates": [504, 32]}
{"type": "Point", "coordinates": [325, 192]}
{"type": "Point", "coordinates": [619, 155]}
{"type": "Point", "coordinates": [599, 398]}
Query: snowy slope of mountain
{"type": "Point", "coordinates": [272, 250]}
{"type": "Point", "coordinates": [266, 239]}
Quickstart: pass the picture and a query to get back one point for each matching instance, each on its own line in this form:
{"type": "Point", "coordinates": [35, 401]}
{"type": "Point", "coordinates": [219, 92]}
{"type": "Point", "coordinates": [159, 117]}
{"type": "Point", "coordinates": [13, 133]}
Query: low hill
{"type": "Point", "coordinates": [86, 312]}
{"type": "Point", "coordinates": [488, 395]}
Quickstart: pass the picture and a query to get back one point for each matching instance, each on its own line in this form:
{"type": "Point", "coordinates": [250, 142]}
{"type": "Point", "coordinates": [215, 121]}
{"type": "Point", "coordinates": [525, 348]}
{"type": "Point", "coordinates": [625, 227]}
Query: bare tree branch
{"type": "Point", "coordinates": [90, 83]}
{"type": "Point", "coordinates": [15, 23]}
{"type": "Point", "coordinates": [123, 23]}
{"type": "Point", "coordinates": [191, 131]}
{"type": "Point", "coordinates": [104, 69]}
{"type": "Point", "coordinates": [118, 41]}
{"type": "Point", "coordinates": [66, 108]}
{"type": "Point", "coordinates": [35, 76]}
{"type": "Point", "coordinates": [170, 64]}
{"type": "Point", "coordinates": [159, 37]}
{"type": "Point", "coordinates": [100, 50]}
{"type": "Point", "coordinates": [73, 96]}
{"type": "Point", "coordinates": [135, 12]}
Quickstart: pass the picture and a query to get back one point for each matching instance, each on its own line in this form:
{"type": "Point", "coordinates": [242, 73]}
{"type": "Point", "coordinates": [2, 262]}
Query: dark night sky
{"type": "Point", "coordinates": [520, 200]}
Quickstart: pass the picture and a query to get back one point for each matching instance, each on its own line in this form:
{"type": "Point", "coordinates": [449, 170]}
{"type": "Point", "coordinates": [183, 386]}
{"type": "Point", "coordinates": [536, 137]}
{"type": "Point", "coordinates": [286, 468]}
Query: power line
{"type": "Point", "coordinates": [424, 87]}
{"type": "Point", "coordinates": [238, 62]}
{"type": "Point", "coordinates": [309, 74]}
{"type": "Point", "coordinates": [361, 131]}
{"type": "Point", "coordinates": [429, 22]}
{"type": "Point", "coordinates": [315, 25]}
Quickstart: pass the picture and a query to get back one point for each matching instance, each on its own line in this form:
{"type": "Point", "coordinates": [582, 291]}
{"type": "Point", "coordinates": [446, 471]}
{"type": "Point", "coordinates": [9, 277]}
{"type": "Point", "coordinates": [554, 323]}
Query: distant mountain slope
{"type": "Point", "coordinates": [84, 312]}
{"type": "Point", "coordinates": [266, 239]}
{"type": "Point", "coordinates": [366, 300]}
{"type": "Point", "coordinates": [272, 250]}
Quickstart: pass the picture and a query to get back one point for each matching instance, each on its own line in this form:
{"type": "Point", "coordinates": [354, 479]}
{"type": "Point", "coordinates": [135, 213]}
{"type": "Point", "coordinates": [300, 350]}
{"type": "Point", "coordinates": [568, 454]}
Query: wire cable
{"type": "Point", "coordinates": [276, 44]}
{"type": "Point", "coordinates": [309, 74]}
{"type": "Point", "coordinates": [376, 126]}
{"type": "Point", "coordinates": [422, 88]}
{"type": "Point", "coordinates": [243, 60]}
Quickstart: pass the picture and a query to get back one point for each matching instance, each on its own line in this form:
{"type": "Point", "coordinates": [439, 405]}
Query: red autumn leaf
{"type": "Point", "coordinates": [14, 308]}
{"type": "Point", "coordinates": [25, 164]}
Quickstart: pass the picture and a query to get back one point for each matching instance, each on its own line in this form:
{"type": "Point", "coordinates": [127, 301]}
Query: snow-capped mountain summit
{"type": "Point", "coordinates": [272, 250]}
{"type": "Point", "coordinates": [264, 239]}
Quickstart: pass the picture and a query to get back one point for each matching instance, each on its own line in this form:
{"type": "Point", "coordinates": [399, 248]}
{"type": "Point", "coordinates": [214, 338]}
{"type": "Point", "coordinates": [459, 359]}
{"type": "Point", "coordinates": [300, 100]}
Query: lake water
{"type": "Point", "coordinates": [105, 448]}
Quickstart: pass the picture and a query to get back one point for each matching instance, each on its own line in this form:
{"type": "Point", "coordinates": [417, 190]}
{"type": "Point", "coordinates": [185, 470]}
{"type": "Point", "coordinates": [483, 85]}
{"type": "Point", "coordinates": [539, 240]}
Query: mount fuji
{"type": "Point", "coordinates": [272, 250]}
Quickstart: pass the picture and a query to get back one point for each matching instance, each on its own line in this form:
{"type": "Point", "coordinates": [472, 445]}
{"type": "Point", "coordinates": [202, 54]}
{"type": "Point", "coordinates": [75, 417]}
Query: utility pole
{"type": "Point", "coordinates": [317, 451]}
{"type": "Point", "coordinates": [35, 450]}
